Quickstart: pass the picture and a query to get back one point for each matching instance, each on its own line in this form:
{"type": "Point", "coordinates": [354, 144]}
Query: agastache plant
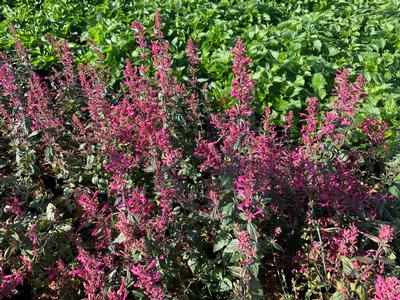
{"type": "Point", "coordinates": [148, 192]}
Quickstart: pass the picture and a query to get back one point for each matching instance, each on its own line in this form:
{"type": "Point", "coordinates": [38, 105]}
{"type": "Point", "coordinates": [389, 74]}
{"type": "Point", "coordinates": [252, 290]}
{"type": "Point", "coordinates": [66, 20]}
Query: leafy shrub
{"type": "Point", "coordinates": [295, 46]}
{"type": "Point", "coordinates": [147, 192]}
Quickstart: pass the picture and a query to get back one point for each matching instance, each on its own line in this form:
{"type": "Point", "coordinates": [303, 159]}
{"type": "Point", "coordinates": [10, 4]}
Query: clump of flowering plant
{"type": "Point", "coordinates": [147, 192]}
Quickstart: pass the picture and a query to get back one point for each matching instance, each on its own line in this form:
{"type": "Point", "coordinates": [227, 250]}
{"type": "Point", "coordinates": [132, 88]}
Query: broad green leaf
{"type": "Point", "coordinates": [317, 44]}
{"type": "Point", "coordinates": [228, 209]}
{"type": "Point", "coordinates": [232, 246]}
{"type": "Point", "coordinates": [318, 83]}
{"type": "Point", "coordinates": [225, 285]}
{"type": "Point", "coordinates": [220, 243]}
{"type": "Point", "coordinates": [362, 291]}
{"type": "Point", "coordinates": [347, 265]}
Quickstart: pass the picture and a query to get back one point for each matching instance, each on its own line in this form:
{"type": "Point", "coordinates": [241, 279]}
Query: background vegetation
{"type": "Point", "coordinates": [296, 46]}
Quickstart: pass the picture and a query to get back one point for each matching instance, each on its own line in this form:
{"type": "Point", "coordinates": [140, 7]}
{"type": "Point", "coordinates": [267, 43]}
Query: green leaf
{"type": "Point", "coordinates": [333, 51]}
{"type": "Point", "coordinates": [192, 263]}
{"type": "Point", "coordinates": [252, 230]}
{"type": "Point", "coordinates": [228, 209]}
{"type": "Point", "coordinates": [256, 289]}
{"type": "Point", "coordinates": [337, 296]}
{"type": "Point", "coordinates": [317, 44]}
{"type": "Point", "coordinates": [347, 265]}
{"type": "Point", "coordinates": [16, 236]}
{"type": "Point", "coordinates": [387, 261]}
{"type": "Point", "coordinates": [254, 268]}
{"type": "Point", "coordinates": [225, 285]}
{"type": "Point", "coordinates": [232, 246]}
{"type": "Point", "coordinates": [372, 237]}
{"type": "Point", "coordinates": [50, 212]}
{"type": "Point", "coordinates": [365, 260]}
{"type": "Point", "coordinates": [394, 190]}
{"type": "Point", "coordinates": [119, 239]}
{"type": "Point", "coordinates": [277, 246]}
{"type": "Point", "coordinates": [362, 291]}
{"type": "Point", "coordinates": [318, 83]}
{"type": "Point", "coordinates": [64, 228]}
{"type": "Point", "coordinates": [220, 243]}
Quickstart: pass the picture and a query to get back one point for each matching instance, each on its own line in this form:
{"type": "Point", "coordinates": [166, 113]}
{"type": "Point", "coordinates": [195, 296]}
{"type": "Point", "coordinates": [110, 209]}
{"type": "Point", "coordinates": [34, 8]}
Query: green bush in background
{"type": "Point", "coordinates": [296, 46]}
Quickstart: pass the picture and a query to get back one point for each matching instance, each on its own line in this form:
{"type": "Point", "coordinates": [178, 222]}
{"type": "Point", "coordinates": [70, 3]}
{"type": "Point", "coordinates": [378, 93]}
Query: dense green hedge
{"type": "Point", "coordinates": [296, 46]}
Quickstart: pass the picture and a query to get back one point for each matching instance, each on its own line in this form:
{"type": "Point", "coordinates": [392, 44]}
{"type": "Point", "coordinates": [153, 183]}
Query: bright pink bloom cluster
{"type": "Point", "coordinates": [387, 289]}
{"type": "Point", "coordinates": [147, 280]}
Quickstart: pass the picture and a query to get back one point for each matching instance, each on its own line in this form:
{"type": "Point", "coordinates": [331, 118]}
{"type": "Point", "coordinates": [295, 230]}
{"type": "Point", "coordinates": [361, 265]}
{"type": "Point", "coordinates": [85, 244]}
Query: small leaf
{"type": "Point", "coordinates": [225, 285]}
{"type": "Point", "coordinates": [252, 230]}
{"type": "Point", "coordinates": [254, 268]}
{"type": "Point", "coordinates": [232, 246]}
{"type": "Point", "coordinates": [50, 212]}
{"type": "Point", "coordinates": [318, 83]}
{"type": "Point", "coordinates": [394, 190]}
{"type": "Point", "coordinates": [387, 261]}
{"type": "Point", "coordinates": [119, 239]}
{"type": "Point", "coordinates": [362, 292]}
{"type": "Point", "coordinates": [365, 260]}
{"type": "Point", "coordinates": [16, 236]}
{"type": "Point", "coordinates": [64, 228]}
{"type": "Point", "coordinates": [333, 51]}
{"type": "Point", "coordinates": [337, 296]}
{"type": "Point", "coordinates": [372, 237]}
{"type": "Point", "coordinates": [277, 246]}
{"type": "Point", "coordinates": [228, 209]}
{"type": "Point", "coordinates": [347, 265]}
{"type": "Point", "coordinates": [317, 44]}
{"type": "Point", "coordinates": [33, 133]}
{"type": "Point", "coordinates": [220, 243]}
{"type": "Point", "coordinates": [192, 263]}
